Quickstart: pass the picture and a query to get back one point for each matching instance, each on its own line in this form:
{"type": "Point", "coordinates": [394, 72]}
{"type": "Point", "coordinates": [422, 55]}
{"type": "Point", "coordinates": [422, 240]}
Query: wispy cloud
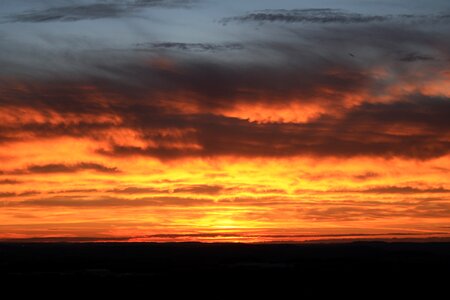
{"type": "Point", "coordinates": [97, 10]}
{"type": "Point", "coordinates": [193, 47]}
{"type": "Point", "coordinates": [64, 168]}
{"type": "Point", "coordinates": [327, 16]}
{"type": "Point", "coordinates": [412, 57]}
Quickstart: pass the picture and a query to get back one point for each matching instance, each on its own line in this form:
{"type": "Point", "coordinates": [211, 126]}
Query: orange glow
{"type": "Point", "coordinates": [220, 199]}
{"type": "Point", "coordinates": [125, 173]}
{"type": "Point", "coordinates": [294, 112]}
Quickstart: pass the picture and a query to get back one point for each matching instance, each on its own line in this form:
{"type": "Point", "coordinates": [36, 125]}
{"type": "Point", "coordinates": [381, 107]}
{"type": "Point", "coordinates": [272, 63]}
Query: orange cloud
{"type": "Point", "coordinates": [167, 145]}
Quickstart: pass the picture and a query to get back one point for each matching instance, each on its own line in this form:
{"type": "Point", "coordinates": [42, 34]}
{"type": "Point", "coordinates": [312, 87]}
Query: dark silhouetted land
{"type": "Point", "coordinates": [373, 268]}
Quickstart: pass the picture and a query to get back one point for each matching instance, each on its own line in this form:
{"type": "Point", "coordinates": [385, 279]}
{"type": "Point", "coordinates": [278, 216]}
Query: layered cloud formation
{"type": "Point", "coordinates": [171, 119]}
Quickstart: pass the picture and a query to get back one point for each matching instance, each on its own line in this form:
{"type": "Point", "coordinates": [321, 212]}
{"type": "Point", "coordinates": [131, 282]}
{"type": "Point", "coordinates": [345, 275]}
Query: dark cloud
{"type": "Point", "coordinates": [137, 190]}
{"type": "Point", "coordinates": [326, 15]}
{"type": "Point", "coordinates": [65, 239]}
{"type": "Point", "coordinates": [55, 130]}
{"type": "Point", "coordinates": [433, 209]}
{"type": "Point", "coordinates": [385, 190]}
{"type": "Point", "coordinates": [192, 189]}
{"type": "Point", "coordinates": [364, 130]}
{"type": "Point", "coordinates": [307, 16]}
{"type": "Point", "coordinates": [404, 190]}
{"type": "Point", "coordinates": [366, 176]}
{"type": "Point", "coordinates": [71, 13]}
{"type": "Point", "coordinates": [412, 126]}
{"type": "Point", "coordinates": [7, 194]}
{"type": "Point", "coordinates": [221, 85]}
{"type": "Point", "coordinates": [412, 57]}
{"type": "Point", "coordinates": [192, 235]}
{"type": "Point", "coordinates": [62, 168]}
{"type": "Point", "coordinates": [352, 213]}
{"type": "Point", "coordinates": [9, 181]}
{"type": "Point", "coordinates": [80, 202]}
{"type": "Point", "coordinates": [192, 47]}
{"type": "Point", "coordinates": [71, 191]}
{"type": "Point", "coordinates": [200, 189]}
{"type": "Point", "coordinates": [357, 234]}
{"type": "Point", "coordinates": [288, 236]}
{"type": "Point", "coordinates": [417, 111]}
{"type": "Point", "coordinates": [164, 3]}
{"type": "Point", "coordinates": [14, 194]}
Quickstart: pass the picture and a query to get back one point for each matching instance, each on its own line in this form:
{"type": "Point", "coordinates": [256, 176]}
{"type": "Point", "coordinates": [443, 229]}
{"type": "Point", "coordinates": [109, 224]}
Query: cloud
{"type": "Point", "coordinates": [9, 181]}
{"type": "Point", "coordinates": [81, 202]}
{"type": "Point", "coordinates": [72, 13]}
{"type": "Point", "coordinates": [362, 131]}
{"type": "Point", "coordinates": [240, 235]}
{"type": "Point", "coordinates": [404, 190]}
{"type": "Point", "coordinates": [80, 239]}
{"type": "Point", "coordinates": [286, 236]}
{"type": "Point", "coordinates": [191, 47]}
{"type": "Point", "coordinates": [14, 194]}
{"type": "Point", "coordinates": [137, 190]}
{"type": "Point", "coordinates": [410, 127]}
{"type": "Point", "coordinates": [164, 3]}
{"type": "Point", "coordinates": [412, 57]}
{"type": "Point", "coordinates": [325, 16]}
{"type": "Point", "coordinates": [190, 189]}
{"type": "Point", "coordinates": [200, 189]}
{"type": "Point", "coordinates": [191, 235]}
{"type": "Point", "coordinates": [70, 191]}
{"type": "Point", "coordinates": [366, 176]}
{"type": "Point", "coordinates": [339, 212]}
{"type": "Point", "coordinates": [63, 168]}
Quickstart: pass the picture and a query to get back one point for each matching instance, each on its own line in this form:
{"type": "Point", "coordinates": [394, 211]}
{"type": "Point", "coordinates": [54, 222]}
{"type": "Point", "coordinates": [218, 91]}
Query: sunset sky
{"type": "Point", "coordinates": [237, 120]}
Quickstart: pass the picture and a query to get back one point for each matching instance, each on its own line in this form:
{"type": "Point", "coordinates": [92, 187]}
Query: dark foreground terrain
{"type": "Point", "coordinates": [362, 268]}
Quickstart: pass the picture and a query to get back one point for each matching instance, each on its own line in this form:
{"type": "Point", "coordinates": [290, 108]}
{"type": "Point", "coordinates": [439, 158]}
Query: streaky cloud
{"type": "Point", "coordinates": [328, 16]}
{"type": "Point", "coordinates": [98, 10]}
{"type": "Point", "coordinates": [191, 47]}
{"type": "Point", "coordinates": [80, 202]}
{"type": "Point", "coordinates": [412, 57]}
{"type": "Point", "coordinates": [65, 168]}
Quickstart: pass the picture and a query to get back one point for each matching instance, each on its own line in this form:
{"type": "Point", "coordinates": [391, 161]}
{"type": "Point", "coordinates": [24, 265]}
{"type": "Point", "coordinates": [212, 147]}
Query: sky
{"type": "Point", "coordinates": [240, 121]}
